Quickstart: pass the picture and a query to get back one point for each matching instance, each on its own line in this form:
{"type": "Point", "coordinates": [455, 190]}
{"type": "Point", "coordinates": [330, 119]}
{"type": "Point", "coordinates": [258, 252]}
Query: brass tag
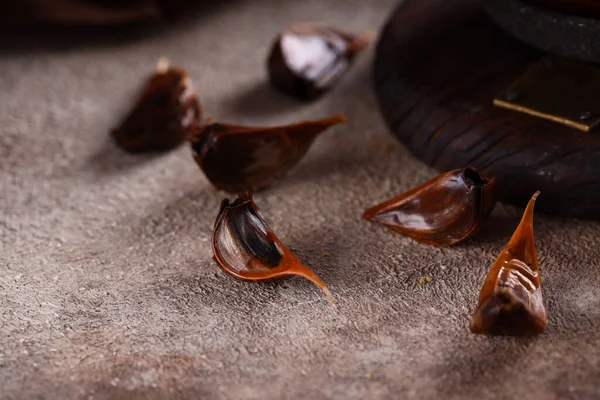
{"type": "Point", "coordinates": [559, 90]}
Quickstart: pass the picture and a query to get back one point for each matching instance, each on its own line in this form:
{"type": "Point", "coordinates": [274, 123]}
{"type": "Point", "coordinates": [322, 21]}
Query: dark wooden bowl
{"type": "Point", "coordinates": [584, 8]}
{"type": "Point", "coordinates": [555, 29]}
{"type": "Point", "coordinates": [438, 66]}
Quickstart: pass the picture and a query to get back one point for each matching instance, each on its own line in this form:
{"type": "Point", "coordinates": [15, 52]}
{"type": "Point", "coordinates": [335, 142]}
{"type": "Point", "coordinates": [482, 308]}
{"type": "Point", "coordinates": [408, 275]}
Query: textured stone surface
{"type": "Point", "coordinates": [108, 290]}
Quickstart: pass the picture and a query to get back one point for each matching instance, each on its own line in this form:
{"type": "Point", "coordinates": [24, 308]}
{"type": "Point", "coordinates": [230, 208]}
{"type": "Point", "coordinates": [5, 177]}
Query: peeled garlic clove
{"type": "Point", "coordinates": [306, 60]}
{"type": "Point", "coordinates": [442, 211]}
{"type": "Point", "coordinates": [511, 301]}
{"type": "Point", "coordinates": [164, 116]}
{"type": "Point", "coordinates": [238, 158]}
{"type": "Point", "coordinates": [245, 247]}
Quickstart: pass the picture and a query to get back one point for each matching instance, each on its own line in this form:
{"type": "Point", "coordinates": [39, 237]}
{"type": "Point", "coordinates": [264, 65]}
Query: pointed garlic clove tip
{"type": "Point", "coordinates": [307, 60]}
{"type": "Point", "coordinates": [443, 211]}
{"type": "Point", "coordinates": [162, 65]}
{"type": "Point", "coordinates": [510, 302]}
{"type": "Point", "coordinates": [372, 214]}
{"type": "Point", "coordinates": [166, 113]}
{"type": "Point", "coordinates": [304, 272]}
{"type": "Point", "coordinates": [360, 41]}
{"type": "Point", "coordinates": [338, 119]}
{"type": "Point", "coordinates": [369, 35]}
{"type": "Point", "coordinates": [235, 158]}
{"type": "Point", "coordinates": [246, 248]}
{"type": "Point", "coordinates": [368, 214]}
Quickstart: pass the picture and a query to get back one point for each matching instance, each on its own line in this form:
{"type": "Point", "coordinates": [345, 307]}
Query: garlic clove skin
{"type": "Point", "coordinates": [238, 158]}
{"type": "Point", "coordinates": [442, 211]}
{"type": "Point", "coordinates": [166, 113]}
{"type": "Point", "coordinates": [246, 248]}
{"type": "Point", "coordinates": [306, 60]}
{"type": "Point", "coordinates": [510, 302]}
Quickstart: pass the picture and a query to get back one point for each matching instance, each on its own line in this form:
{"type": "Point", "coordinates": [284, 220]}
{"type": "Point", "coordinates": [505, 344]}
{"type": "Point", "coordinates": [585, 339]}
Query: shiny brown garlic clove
{"type": "Point", "coordinates": [238, 158]}
{"type": "Point", "coordinates": [442, 211]}
{"type": "Point", "coordinates": [306, 61]}
{"type": "Point", "coordinates": [245, 247]}
{"type": "Point", "coordinates": [511, 301]}
{"type": "Point", "coordinates": [164, 116]}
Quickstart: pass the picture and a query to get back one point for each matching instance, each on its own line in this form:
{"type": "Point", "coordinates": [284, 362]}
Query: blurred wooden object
{"type": "Point", "coordinates": [584, 8]}
{"type": "Point", "coordinates": [438, 67]}
{"type": "Point", "coordinates": [567, 28]}
{"type": "Point", "coordinates": [78, 12]}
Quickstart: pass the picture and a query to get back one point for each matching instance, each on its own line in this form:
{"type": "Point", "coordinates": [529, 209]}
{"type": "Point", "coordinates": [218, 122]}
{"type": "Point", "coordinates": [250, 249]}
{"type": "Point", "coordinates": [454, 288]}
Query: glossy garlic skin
{"type": "Point", "coordinates": [239, 158]}
{"type": "Point", "coordinates": [511, 301]}
{"type": "Point", "coordinates": [245, 247]}
{"type": "Point", "coordinates": [306, 61]}
{"type": "Point", "coordinates": [443, 211]}
{"type": "Point", "coordinates": [163, 117]}
{"type": "Point", "coordinates": [242, 240]}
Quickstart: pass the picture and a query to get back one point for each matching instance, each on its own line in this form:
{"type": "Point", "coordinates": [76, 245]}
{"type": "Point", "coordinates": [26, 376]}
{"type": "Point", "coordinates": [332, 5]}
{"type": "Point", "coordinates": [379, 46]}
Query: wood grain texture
{"type": "Point", "coordinates": [437, 69]}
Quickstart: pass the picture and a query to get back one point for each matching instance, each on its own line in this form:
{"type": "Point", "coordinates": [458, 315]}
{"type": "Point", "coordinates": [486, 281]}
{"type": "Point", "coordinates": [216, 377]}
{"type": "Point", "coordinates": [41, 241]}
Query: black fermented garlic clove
{"type": "Point", "coordinates": [442, 211]}
{"type": "Point", "coordinates": [306, 61]}
{"type": "Point", "coordinates": [164, 116]}
{"type": "Point", "coordinates": [511, 301]}
{"type": "Point", "coordinates": [238, 158]}
{"type": "Point", "coordinates": [245, 247]}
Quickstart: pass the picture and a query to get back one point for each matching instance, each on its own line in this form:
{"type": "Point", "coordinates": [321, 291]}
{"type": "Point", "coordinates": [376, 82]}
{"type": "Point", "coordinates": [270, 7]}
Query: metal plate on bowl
{"type": "Point", "coordinates": [560, 90]}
